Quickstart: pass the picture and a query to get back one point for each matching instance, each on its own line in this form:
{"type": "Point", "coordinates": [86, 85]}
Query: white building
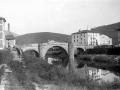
{"type": "Point", "coordinates": [88, 38]}
{"type": "Point", "coordinates": [105, 40]}
{"type": "Point", "coordinates": [2, 32]}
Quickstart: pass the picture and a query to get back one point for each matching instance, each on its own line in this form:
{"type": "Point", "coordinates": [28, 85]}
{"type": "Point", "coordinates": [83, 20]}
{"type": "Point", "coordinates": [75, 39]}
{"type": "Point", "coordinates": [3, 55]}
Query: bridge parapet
{"type": "Point", "coordinates": [28, 45]}
{"type": "Point", "coordinates": [54, 43]}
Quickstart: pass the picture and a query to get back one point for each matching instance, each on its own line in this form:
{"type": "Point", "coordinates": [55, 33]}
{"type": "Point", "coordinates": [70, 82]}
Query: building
{"type": "Point", "coordinates": [2, 32]}
{"type": "Point", "coordinates": [86, 37]}
{"type": "Point", "coordinates": [10, 39]}
{"type": "Point", "coordinates": [6, 38]}
{"type": "Point", "coordinates": [89, 38]}
{"type": "Point", "coordinates": [105, 40]}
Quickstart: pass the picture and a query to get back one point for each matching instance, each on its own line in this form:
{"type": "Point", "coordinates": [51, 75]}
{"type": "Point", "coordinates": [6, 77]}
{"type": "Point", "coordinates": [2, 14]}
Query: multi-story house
{"type": "Point", "coordinates": [6, 38]}
{"type": "Point", "coordinates": [86, 37]}
{"type": "Point", "coordinates": [2, 32]}
{"type": "Point", "coordinates": [10, 39]}
{"type": "Point", "coordinates": [89, 38]}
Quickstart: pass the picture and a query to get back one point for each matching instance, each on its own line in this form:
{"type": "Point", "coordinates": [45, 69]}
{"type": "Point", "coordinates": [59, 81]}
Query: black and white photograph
{"type": "Point", "coordinates": [59, 45]}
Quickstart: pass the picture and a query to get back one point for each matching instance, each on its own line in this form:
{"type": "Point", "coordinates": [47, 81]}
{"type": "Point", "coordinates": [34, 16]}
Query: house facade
{"type": "Point", "coordinates": [2, 32]}
{"type": "Point", "coordinates": [86, 37]}
{"type": "Point", "coordinates": [89, 38]}
{"type": "Point", "coordinates": [6, 38]}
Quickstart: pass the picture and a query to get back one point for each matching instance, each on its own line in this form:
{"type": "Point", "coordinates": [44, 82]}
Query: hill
{"type": "Point", "coordinates": [41, 37]}
{"type": "Point", "coordinates": [109, 30]}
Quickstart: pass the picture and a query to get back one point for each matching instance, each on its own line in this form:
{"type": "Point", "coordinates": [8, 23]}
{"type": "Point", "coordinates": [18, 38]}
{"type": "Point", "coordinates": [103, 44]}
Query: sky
{"type": "Point", "coordinates": [58, 16]}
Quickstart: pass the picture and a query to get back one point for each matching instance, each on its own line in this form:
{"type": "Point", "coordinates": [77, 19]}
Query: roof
{"type": "Point", "coordinates": [9, 37]}
{"type": "Point", "coordinates": [1, 18]}
{"type": "Point", "coordinates": [83, 31]}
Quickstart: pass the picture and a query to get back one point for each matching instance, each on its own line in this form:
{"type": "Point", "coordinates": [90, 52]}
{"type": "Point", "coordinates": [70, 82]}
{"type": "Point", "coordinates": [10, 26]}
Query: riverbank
{"type": "Point", "coordinates": [34, 73]}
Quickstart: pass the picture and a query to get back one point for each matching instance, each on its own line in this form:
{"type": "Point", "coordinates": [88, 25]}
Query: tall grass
{"type": "Point", "coordinates": [60, 76]}
{"type": "Point", "coordinates": [38, 67]}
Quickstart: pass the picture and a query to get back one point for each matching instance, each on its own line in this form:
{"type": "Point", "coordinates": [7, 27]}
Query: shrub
{"type": "Point", "coordinates": [21, 74]}
{"type": "Point", "coordinates": [84, 57]}
{"type": "Point", "coordinates": [103, 58]}
{"type": "Point", "coordinates": [19, 70]}
{"type": "Point", "coordinates": [5, 56]}
{"type": "Point", "coordinates": [1, 72]}
{"type": "Point", "coordinates": [96, 51]}
{"type": "Point", "coordinates": [113, 51]}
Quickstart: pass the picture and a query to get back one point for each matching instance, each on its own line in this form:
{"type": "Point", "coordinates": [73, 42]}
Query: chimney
{"type": "Point", "coordinates": [8, 28]}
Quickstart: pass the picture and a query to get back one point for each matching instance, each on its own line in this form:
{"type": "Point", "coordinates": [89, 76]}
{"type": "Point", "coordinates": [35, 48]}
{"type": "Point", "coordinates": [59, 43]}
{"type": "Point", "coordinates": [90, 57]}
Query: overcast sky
{"type": "Point", "coordinates": [59, 16]}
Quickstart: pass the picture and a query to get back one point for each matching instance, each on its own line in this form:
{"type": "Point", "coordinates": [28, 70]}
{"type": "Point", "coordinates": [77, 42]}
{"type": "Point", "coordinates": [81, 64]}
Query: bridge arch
{"type": "Point", "coordinates": [51, 46]}
{"type": "Point", "coordinates": [58, 55]}
{"type": "Point", "coordinates": [32, 52]}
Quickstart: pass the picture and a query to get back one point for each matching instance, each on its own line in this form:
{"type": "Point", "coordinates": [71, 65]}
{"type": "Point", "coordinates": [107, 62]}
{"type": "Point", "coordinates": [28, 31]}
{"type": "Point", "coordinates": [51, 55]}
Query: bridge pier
{"type": "Point", "coordinates": [39, 49]}
{"type": "Point", "coordinates": [71, 57]}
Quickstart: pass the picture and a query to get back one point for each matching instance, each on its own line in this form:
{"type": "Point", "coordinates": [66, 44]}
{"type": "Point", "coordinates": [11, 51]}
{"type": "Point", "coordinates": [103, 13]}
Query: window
{"type": "Point", "coordinates": [77, 40]}
{"type": "Point", "coordinates": [1, 43]}
{"type": "Point", "coordinates": [74, 36]}
{"type": "Point", "coordinates": [0, 27]}
{"type": "Point", "coordinates": [74, 40]}
{"type": "Point", "coordinates": [1, 35]}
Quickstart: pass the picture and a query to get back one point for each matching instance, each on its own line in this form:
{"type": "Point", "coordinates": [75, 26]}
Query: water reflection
{"type": "Point", "coordinates": [98, 74]}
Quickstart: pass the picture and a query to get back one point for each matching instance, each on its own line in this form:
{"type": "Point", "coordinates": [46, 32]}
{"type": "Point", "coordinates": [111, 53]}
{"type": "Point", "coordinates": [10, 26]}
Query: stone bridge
{"type": "Point", "coordinates": [42, 48]}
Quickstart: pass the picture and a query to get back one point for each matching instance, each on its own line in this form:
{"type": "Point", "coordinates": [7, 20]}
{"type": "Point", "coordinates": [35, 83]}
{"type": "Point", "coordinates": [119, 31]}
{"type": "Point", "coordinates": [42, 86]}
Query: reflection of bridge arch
{"type": "Point", "coordinates": [78, 51]}
{"type": "Point", "coordinates": [58, 53]}
{"type": "Point", "coordinates": [32, 52]}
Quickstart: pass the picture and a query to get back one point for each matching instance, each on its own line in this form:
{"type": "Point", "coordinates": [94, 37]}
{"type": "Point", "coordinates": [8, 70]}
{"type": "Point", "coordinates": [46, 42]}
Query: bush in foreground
{"type": "Point", "coordinates": [20, 73]}
{"type": "Point", "coordinates": [5, 56]}
{"type": "Point", "coordinates": [55, 74]}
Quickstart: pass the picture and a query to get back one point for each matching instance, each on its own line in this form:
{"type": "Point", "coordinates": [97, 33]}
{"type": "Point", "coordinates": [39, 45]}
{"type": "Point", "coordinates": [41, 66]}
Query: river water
{"type": "Point", "coordinates": [93, 73]}
{"type": "Point", "coordinates": [98, 74]}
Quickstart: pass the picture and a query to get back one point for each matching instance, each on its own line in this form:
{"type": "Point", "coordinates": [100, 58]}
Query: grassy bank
{"type": "Point", "coordinates": [5, 56]}
{"type": "Point", "coordinates": [37, 70]}
{"type": "Point", "coordinates": [99, 58]}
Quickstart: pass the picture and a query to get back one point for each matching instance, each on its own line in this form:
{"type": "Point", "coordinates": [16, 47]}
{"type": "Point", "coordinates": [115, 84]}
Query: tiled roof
{"type": "Point", "coordinates": [83, 31]}
{"type": "Point", "coordinates": [9, 37]}
{"type": "Point", "coordinates": [1, 18]}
